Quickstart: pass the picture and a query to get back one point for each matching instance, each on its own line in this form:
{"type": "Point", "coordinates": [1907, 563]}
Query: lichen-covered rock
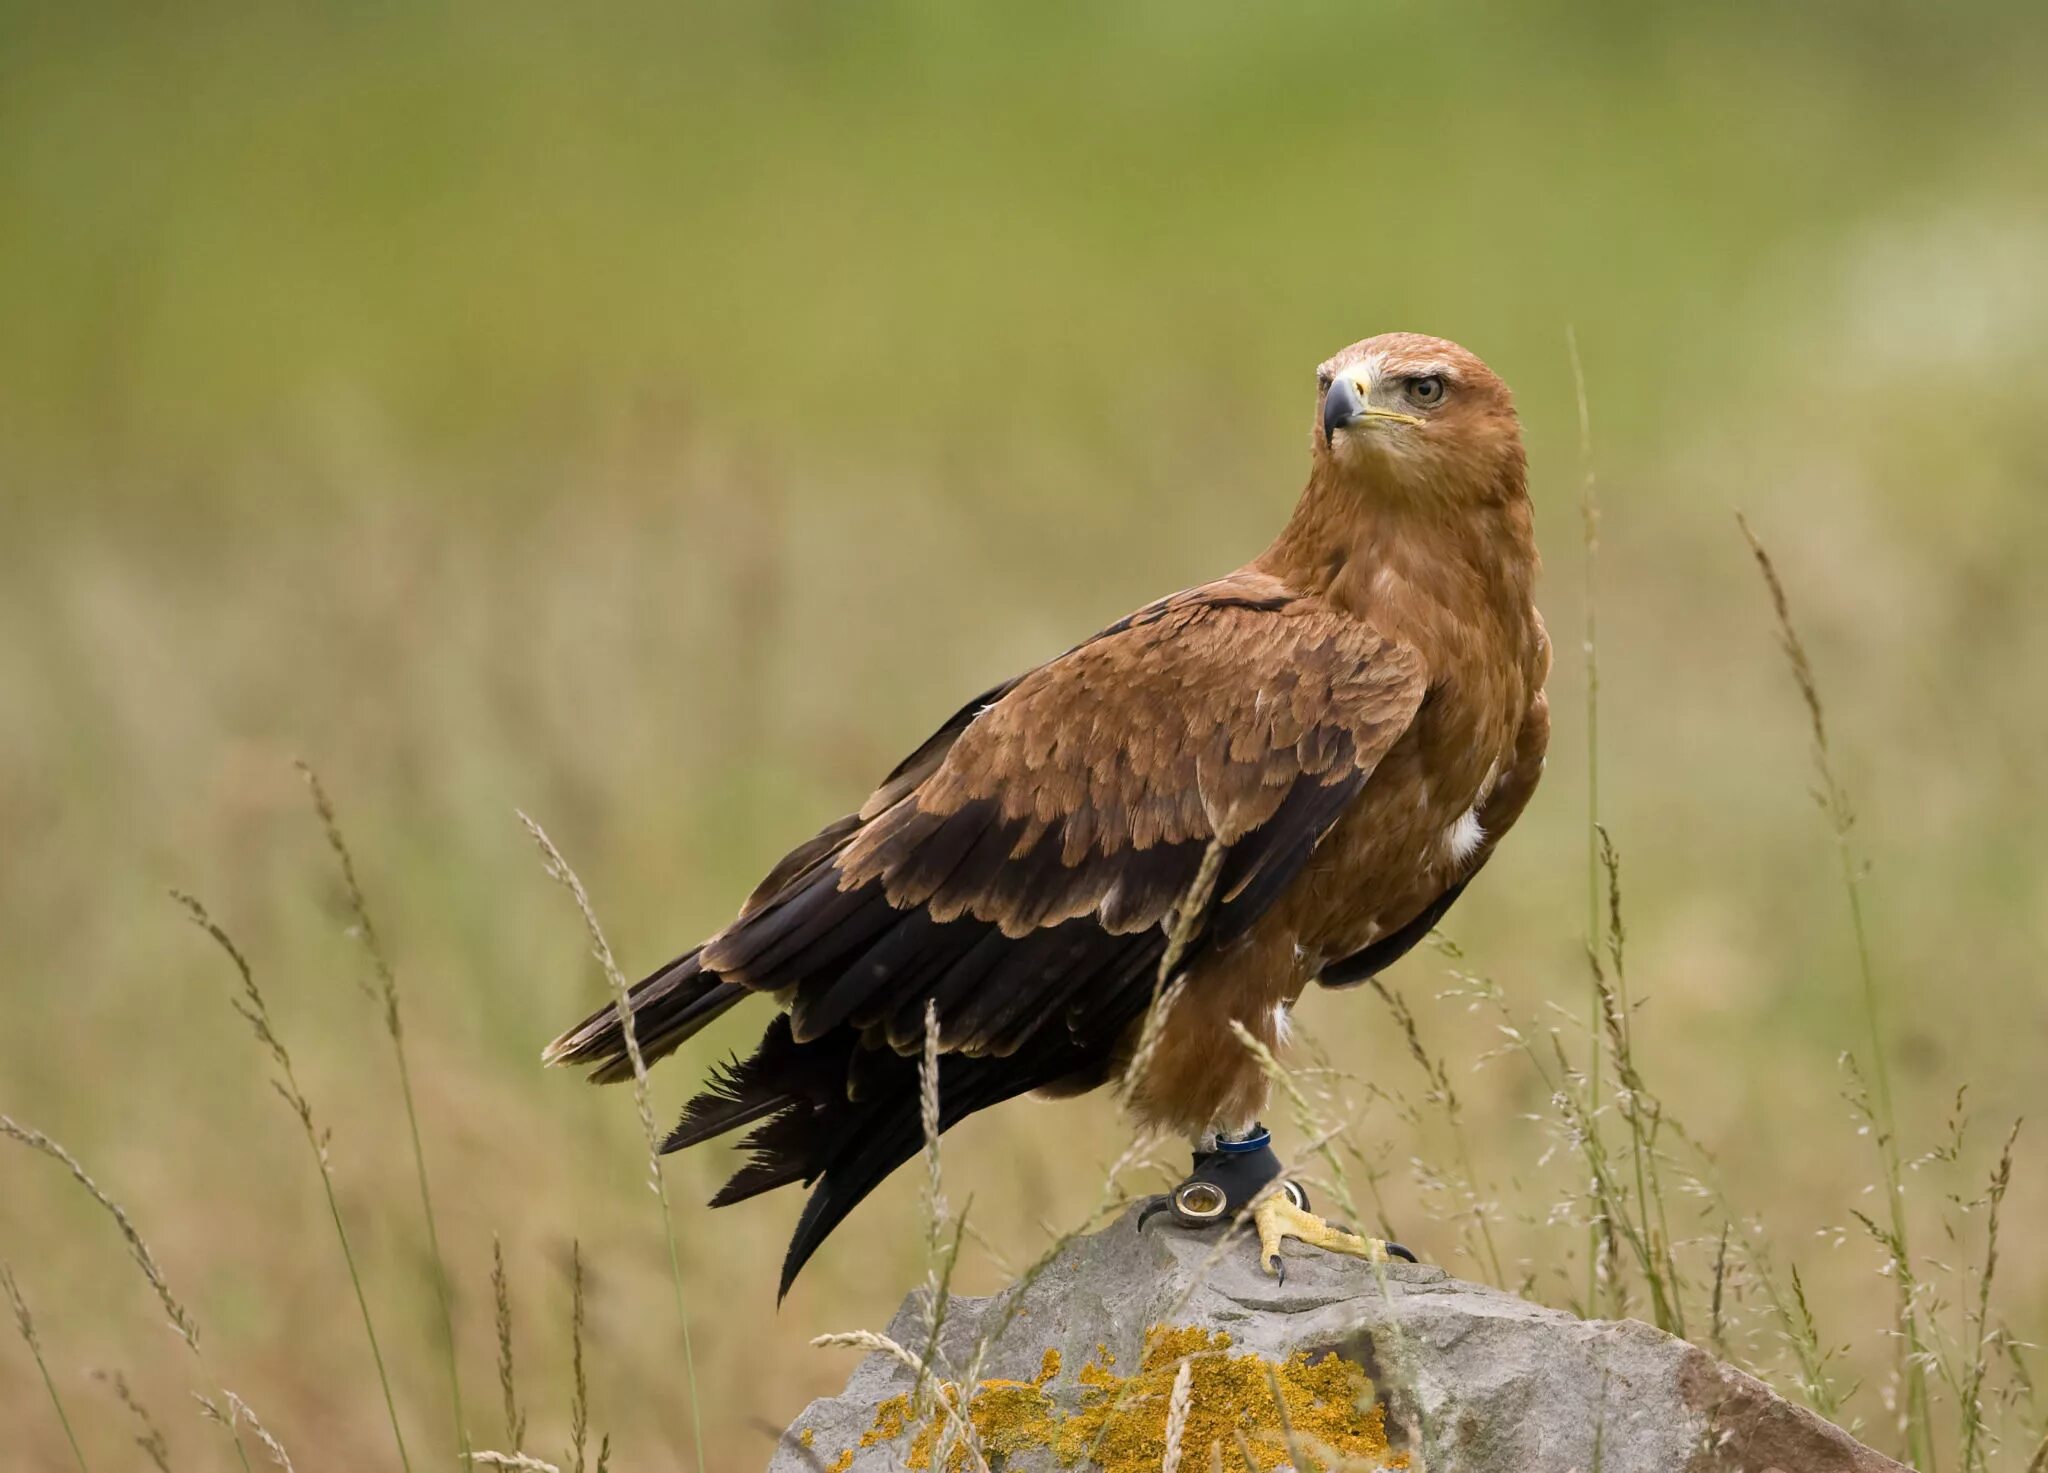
{"type": "Point", "coordinates": [1400, 1367]}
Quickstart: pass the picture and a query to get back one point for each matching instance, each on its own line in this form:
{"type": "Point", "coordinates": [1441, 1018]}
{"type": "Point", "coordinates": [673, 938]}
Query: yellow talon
{"type": "Point", "coordinates": [1278, 1218]}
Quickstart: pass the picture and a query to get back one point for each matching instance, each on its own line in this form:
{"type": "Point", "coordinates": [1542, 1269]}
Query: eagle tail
{"type": "Point", "coordinates": [837, 1118]}
{"type": "Point", "coordinates": [669, 1007]}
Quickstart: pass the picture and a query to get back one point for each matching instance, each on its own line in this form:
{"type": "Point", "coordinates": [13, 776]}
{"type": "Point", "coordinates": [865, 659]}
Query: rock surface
{"type": "Point", "coordinates": [1455, 1375]}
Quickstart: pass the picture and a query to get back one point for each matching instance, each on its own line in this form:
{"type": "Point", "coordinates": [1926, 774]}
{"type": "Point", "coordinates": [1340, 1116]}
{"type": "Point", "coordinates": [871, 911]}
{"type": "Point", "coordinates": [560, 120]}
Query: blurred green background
{"type": "Point", "coordinates": [659, 417]}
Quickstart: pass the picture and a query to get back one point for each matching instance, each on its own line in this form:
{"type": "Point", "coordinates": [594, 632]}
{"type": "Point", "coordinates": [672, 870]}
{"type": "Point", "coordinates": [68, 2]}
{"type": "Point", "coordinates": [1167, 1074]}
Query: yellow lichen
{"type": "Point", "coordinates": [806, 1437]}
{"type": "Point", "coordinates": [1120, 1425]}
{"type": "Point", "coordinates": [841, 1463]}
{"type": "Point", "coordinates": [891, 1417]}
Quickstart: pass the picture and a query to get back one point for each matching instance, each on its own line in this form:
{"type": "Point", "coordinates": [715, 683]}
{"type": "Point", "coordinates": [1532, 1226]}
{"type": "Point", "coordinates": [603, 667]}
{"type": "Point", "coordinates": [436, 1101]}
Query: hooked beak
{"type": "Point", "coordinates": [1344, 405]}
{"type": "Point", "coordinates": [1341, 406]}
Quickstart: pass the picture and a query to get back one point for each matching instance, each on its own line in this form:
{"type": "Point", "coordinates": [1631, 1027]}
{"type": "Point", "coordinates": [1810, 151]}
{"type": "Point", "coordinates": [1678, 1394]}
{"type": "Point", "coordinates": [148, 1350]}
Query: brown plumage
{"type": "Point", "coordinates": [1356, 716]}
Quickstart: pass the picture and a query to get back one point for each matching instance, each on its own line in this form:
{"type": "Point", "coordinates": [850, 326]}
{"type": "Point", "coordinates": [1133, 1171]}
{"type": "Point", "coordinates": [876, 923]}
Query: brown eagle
{"type": "Point", "coordinates": [1350, 722]}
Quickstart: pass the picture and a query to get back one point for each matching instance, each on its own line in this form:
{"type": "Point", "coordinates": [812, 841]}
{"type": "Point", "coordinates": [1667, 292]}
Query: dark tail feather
{"type": "Point", "coordinates": [890, 1133]}
{"type": "Point", "coordinates": [669, 1007]}
{"type": "Point", "coordinates": [741, 1092]}
{"type": "Point", "coordinates": [846, 1182]}
{"type": "Point", "coordinates": [810, 1128]}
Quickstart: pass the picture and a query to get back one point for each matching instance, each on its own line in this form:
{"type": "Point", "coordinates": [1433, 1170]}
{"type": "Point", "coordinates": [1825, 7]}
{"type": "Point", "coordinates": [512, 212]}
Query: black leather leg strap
{"type": "Point", "coordinates": [1224, 1182]}
{"type": "Point", "coordinates": [1240, 1168]}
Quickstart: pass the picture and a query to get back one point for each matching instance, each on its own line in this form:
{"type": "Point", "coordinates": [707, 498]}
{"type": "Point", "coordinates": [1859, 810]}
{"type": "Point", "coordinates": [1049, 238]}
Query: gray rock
{"type": "Point", "coordinates": [1468, 1378]}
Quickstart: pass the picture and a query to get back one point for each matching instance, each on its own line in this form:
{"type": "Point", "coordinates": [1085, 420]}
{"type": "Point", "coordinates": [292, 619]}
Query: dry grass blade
{"type": "Point", "coordinates": [1322, 1130]}
{"type": "Point", "coordinates": [151, 1438]}
{"type": "Point", "coordinates": [579, 1394]}
{"type": "Point", "coordinates": [2038, 1463]}
{"type": "Point", "coordinates": [949, 1405]}
{"type": "Point", "coordinates": [26, 1324]}
{"type": "Point", "coordinates": [137, 1249]}
{"type": "Point", "coordinates": [513, 1460]}
{"type": "Point", "coordinates": [256, 1012]}
{"type": "Point", "coordinates": [1639, 1108]}
{"type": "Point", "coordinates": [1110, 1200]}
{"type": "Point", "coordinates": [1716, 1329]}
{"type": "Point", "coordinates": [183, 1323]}
{"type": "Point", "coordinates": [1295, 1454]}
{"type": "Point", "coordinates": [941, 1258]}
{"type": "Point", "coordinates": [387, 995]}
{"type": "Point", "coordinates": [1244, 1450]}
{"type": "Point", "coordinates": [928, 1118]}
{"type": "Point", "coordinates": [1834, 802]}
{"type": "Point", "coordinates": [559, 871]}
{"type": "Point", "coordinates": [1441, 1092]}
{"type": "Point", "coordinates": [501, 1300]}
{"type": "Point", "coordinates": [1969, 1402]}
{"type": "Point", "coordinates": [238, 1411]}
{"type": "Point", "coordinates": [1182, 926]}
{"type": "Point", "coordinates": [1589, 541]}
{"type": "Point", "coordinates": [1177, 1416]}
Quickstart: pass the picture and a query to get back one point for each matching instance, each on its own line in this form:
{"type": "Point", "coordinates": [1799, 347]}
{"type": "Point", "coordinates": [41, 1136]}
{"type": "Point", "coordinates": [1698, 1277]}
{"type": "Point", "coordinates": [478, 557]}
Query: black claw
{"type": "Point", "coordinates": [1395, 1250]}
{"type": "Point", "coordinates": [1152, 1209]}
{"type": "Point", "coordinates": [1279, 1268]}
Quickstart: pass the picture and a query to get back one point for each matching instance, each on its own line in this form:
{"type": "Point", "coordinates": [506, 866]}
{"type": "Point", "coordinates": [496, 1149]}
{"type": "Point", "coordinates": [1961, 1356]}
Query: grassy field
{"type": "Point", "coordinates": [657, 419]}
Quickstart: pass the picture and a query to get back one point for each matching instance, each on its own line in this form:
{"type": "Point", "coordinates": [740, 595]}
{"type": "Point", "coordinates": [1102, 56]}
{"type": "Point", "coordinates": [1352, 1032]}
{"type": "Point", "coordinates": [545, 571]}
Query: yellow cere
{"type": "Point", "coordinates": [1119, 1425]}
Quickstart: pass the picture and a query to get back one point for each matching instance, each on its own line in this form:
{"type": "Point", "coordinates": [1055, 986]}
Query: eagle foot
{"type": "Point", "coordinates": [1279, 1217]}
{"type": "Point", "coordinates": [1223, 1183]}
{"type": "Point", "coordinates": [1241, 1175]}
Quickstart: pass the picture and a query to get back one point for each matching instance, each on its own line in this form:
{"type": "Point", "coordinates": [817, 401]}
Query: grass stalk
{"type": "Point", "coordinates": [1177, 1416]}
{"type": "Point", "coordinates": [386, 995]}
{"type": "Point", "coordinates": [501, 1300]}
{"type": "Point", "coordinates": [256, 1012]}
{"type": "Point", "coordinates": [1619, 1208]}
{"type": "Point", "coordinates": [1442, 1093]}
{"type": "Point", "coordinates": [559, 871]}
{"type": "Point", "coordinates": [940, 1261]}
{"type": "Point", "coordinates": [151, 1438]}
{"type": "Point", "coordinates": [1182, 925]}
{"type": "Point", "coordinates": [26, 1324]}
{"type": "Point", "coordinates": [1970, 1398]}
{"type": "Point", "coordinates": [138, 1250]}
{"type": "Point", "coordinates": [1589, 541]}
{"type": "Point", "coordinates": [237, 1413]}
{"type": "Point", "coordinates": [1834, 803]}
{"type": "Point", "coordinates": [1640, 1110]}
{"type": "Point", "coordinates": [950, 1402]}
{"type": "Point", "coordinates": [579, 1382]}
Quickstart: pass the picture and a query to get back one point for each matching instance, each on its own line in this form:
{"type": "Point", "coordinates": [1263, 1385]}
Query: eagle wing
{"type": "Point", "coordinates": [1020, 874]}
{"type": "Point", "coordinates": [1025, 855]}
{"type": "Point", "coordinates": [1013, 875]}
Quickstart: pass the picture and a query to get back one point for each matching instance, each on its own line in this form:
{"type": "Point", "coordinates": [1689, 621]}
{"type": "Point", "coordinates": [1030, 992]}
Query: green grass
{"type": "Point", "coordinates": [659, 421]}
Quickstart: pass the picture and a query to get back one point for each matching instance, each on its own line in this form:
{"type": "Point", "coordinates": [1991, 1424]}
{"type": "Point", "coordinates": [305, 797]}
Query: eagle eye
{"type": "Point", "coordinates": [1426, 390]}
